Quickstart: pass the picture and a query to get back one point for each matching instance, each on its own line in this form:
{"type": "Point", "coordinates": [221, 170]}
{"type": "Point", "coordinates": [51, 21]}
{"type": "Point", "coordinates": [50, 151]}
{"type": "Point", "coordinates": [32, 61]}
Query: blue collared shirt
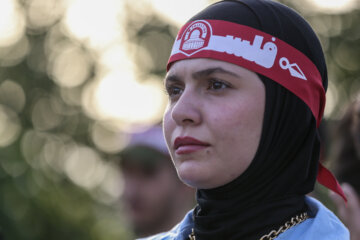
{"type": "Point", "coordinates": [323, 224]}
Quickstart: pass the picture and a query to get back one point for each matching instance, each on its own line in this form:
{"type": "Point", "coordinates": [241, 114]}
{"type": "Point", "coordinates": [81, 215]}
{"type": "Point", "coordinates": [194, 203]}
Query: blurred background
{"type": "Point", "coordinates": [77, 75]}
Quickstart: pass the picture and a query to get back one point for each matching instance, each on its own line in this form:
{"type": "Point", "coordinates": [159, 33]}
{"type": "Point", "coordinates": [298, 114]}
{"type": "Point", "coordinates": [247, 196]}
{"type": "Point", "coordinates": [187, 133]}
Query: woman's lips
{"type": "Point", "coordinates": [186, 145]}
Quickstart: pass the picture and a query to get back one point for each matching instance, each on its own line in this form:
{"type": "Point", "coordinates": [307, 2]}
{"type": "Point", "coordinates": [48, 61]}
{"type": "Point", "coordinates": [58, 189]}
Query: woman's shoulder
{"type": "Point", "coordinates": [180, 232]}
{"type": "Point", "coordinates": [322, 224]}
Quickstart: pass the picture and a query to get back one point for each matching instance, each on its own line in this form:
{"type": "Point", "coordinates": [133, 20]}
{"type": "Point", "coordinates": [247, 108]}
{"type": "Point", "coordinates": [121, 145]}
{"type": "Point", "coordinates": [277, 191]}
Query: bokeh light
{"type": "Point", "coordinates": [12, 22]}
{"type": "Point", "coordinates": [12, 95]}
{"type": "Point", "coordinates": [178, 11]}
{"type": "Point", "coordinates": [345, 59]}
{"type": "Point", "coordinates": [9, 126]}
{"type": "Point", "coordinates": [334, 6]}
{"type": "Point", "coordinates": [331, 99]}
{"type": "Point", "coordinates": [43, 13]}
{"type": "Point", "coordinates": [116, 56]}
{"type": "Point", "coordinates": [43, 115]}
{"type": "Point", "coordinates": [70, 66]}
{"type": "Point", "coordinates": [95, 22]}
{"type": "Point", "coordinates": [111, 187]}
{"type": "Point", "coordinates": [71, 96]}
{"type": "Point", "coordinates": [106, 139]}
{"type": "Point", "coordinates": [13, 167]}
{"type": "Point", "coordinates": [32, 143]}
{"type": "Point", "coordinates": [119, 95]}
{"type": "Point", "coordinates": [15, 53]}
{"type": "Point", "coordinates": [84, 167]}
{"type": "Point", "coordinates": [54, 150]}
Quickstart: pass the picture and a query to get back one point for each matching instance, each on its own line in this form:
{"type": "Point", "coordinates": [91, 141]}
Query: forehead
{"type": "Point", "coordinates": [202, 63]}
{"type": "Point", "coordinates": [204, 66]}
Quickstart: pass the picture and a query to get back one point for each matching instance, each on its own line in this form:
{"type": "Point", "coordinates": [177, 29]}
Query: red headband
{"type": "Point", "coordinates": [262, 53]}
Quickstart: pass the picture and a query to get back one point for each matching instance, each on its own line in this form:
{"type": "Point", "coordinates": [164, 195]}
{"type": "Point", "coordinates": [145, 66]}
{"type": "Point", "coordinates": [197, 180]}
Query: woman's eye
{"type": "Point", "coordinates": [216, 85]}
{"type": "Point", "coordinates": [173, 90]}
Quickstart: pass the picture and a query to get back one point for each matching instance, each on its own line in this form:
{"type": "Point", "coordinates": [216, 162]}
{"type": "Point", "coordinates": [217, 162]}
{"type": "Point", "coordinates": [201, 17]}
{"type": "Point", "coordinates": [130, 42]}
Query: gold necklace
{"type": "Point", "coordinates": [289, 224]}
{"type": "Point", "coordinates": [192, 235]}
{"type": "Point", "coordinates": [274, 234]}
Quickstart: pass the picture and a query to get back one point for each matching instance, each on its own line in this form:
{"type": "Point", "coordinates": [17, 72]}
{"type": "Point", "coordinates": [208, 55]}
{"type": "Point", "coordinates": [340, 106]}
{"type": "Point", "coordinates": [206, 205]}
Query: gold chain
{"type": "Point", "coordinates": [274, 234]}
{"type": "Point", "coordinates": [289, 224]}
{"type": "Point", "coordinates": [192, 235]}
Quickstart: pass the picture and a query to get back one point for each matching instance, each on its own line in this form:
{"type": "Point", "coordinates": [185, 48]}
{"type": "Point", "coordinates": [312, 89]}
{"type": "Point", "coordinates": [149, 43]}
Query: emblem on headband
{"type": "Point", "coordinates": [195, 37]}
{"type": "Point", "coordinates": [294, 69]}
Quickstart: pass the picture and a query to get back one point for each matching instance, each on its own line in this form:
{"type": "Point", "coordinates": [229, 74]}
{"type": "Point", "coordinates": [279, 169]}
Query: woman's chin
{"type": "Point", "coordinates": [195, 176]}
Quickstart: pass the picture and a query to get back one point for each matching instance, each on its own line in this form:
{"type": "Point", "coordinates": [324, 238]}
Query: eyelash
{"type": "Point", "coordinates": [169, 90]}
{"type": "Point", "coordinates": [215, 81]}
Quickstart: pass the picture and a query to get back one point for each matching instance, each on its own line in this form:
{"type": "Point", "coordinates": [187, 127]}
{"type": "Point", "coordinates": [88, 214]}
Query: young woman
{"type": "Point", "coordinates": [246, 82]}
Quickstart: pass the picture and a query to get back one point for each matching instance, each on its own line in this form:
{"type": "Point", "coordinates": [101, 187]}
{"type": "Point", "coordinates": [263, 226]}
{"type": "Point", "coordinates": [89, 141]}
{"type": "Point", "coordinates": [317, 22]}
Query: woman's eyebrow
{"type": "Point", "coordinates": [209, 71]}
{"type": "Point", "coordinates": [200, 74]}
{"type": "Point", "coordinates": [172, 78]}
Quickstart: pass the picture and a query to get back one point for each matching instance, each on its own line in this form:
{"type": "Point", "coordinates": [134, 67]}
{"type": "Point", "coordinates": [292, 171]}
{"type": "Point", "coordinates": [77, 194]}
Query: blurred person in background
{"type": "Point", "coordinates": [347, 159]}
{"type": "Point", "coordinates": [154, 198]}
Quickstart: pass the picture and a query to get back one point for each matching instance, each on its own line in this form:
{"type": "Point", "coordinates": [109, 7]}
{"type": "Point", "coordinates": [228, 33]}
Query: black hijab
{"type": "Point", "coordinates": [284, 169]}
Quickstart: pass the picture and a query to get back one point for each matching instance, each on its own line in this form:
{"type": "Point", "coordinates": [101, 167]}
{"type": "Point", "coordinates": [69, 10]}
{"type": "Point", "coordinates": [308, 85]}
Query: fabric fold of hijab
{"type": "Point", "coordinates": [284, 169]}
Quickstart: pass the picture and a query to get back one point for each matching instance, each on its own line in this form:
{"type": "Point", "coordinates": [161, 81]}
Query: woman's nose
{"type": "Point", "coordinates": [187, 110]}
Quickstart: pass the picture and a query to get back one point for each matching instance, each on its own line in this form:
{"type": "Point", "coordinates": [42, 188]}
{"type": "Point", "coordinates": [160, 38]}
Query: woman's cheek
{"type": "Point", "coordinates": [167, 127]}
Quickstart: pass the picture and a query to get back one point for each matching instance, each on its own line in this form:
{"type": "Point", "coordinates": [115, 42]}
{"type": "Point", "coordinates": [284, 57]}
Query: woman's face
{"type": "Point", "coordinates": [213, 121]}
